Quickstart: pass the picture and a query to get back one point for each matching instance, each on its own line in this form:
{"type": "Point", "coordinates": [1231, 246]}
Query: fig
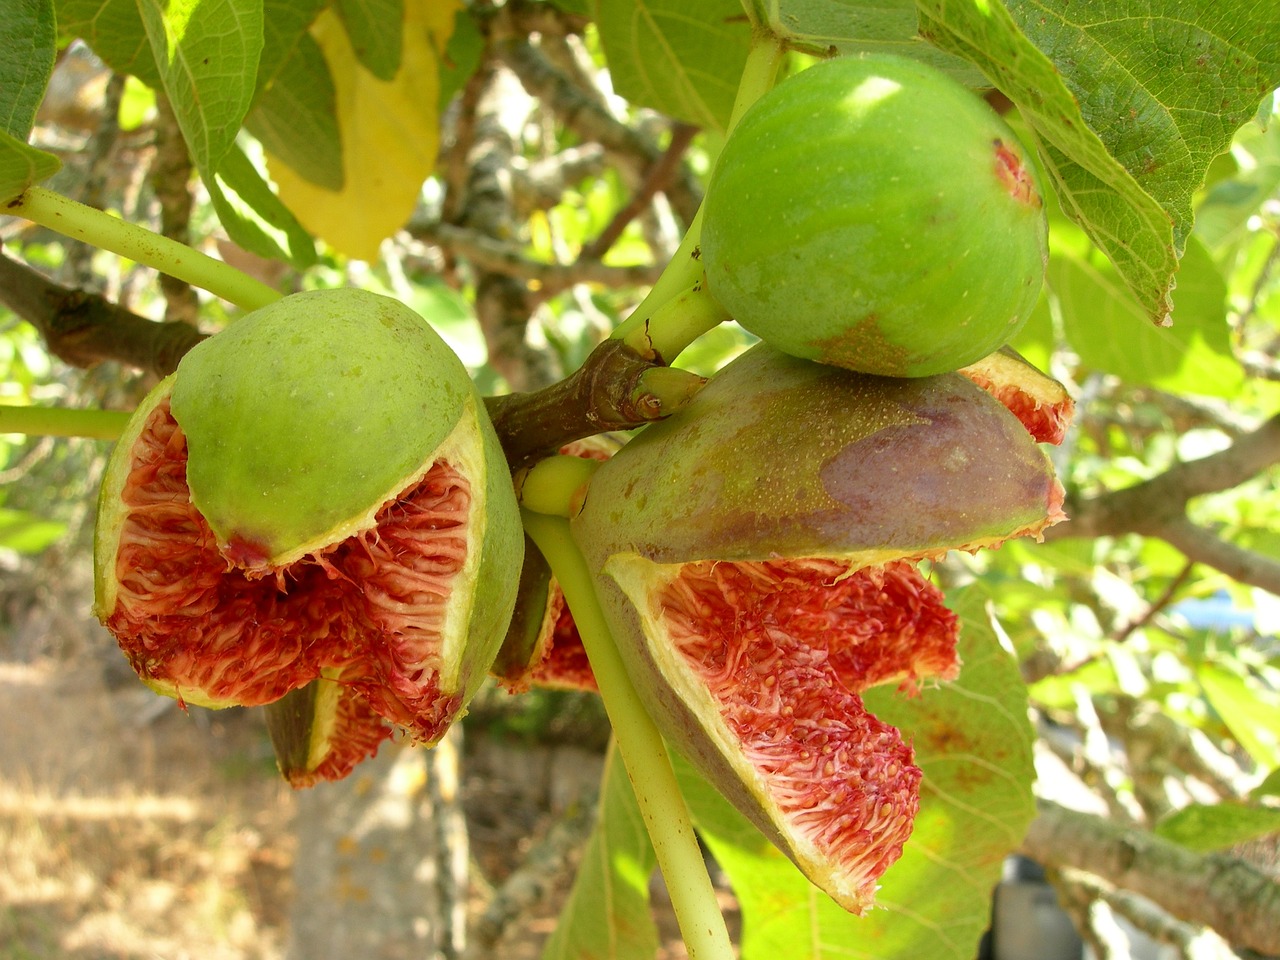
{"type": "Point", "coordinates": [316, 494]}
{"type": "Point", "coordinates": [757, 558]}
{"type": "Point", "coordinates": [872, 213]}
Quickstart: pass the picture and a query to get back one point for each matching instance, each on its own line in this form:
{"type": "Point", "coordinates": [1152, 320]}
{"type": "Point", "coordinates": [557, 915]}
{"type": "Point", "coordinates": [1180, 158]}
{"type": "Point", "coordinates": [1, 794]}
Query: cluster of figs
{"type": "Point", "coordinates": [314, 511]}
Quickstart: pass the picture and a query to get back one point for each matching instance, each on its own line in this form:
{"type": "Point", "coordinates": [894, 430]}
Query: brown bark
{"type": "Point", "coordinates": [1236, 899]}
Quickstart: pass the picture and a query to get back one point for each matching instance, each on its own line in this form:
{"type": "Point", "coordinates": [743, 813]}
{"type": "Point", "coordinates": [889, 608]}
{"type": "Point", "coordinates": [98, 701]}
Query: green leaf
{"type": "Point", "coordinates": [855, 26]}
{"type": "Point", "coordinates": [114, 30]}
{"type": "Point", "coordinates": [461, 58]}
{"type": "Point", "coordinates": [207, 53]}
{"type": "Point", "coordinates": [1102, 323]}
{"type": "Point", "coordinates": [26, 533]}
{"type": "Point", "coordinates": [28, 44]}
{"type": "Point", "coordinates": [1094, 188]}
{"type": "Point", "coordinates": [1250, 713]}
{"type": "Point", "coordinates": [376, 31]}
{"type": "Point", "coordinates": [1216, 826]}
{"type": "Point", "coordinates": [22, 165]}
{"type": "Point", "coordinates": [607, 914]}
{"type": "Point", "coordinates": [254, 216]}
{"type": "Point", "coordinates": [973, 741]}
{"type": "Point", "coordinates": [296, 117]}
{"type": "Point", "coordinates": [682, 57]}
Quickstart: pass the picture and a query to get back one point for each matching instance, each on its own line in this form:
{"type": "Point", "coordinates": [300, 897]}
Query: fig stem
{"type": "Point", "coordinates": [679, 322]}
{"type": "Point", "coordinates": [644, 754]}
{"type": "Point", "coordinates": [81, 222]}
{"type": "Point", "coordinates": [551, 486]}
{"type": "Point", "coordinates": [684, 272]}
{"type": "Point", "coordinates": [62, 422]}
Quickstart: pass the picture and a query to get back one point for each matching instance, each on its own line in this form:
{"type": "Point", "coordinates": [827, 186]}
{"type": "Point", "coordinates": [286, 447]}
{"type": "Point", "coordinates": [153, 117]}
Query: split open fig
{"type": "Point", "coordinates": [757, 557]}
{"type": "Point", "coordinates": [316, 495]}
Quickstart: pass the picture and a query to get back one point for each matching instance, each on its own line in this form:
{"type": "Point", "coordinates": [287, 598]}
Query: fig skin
{"type": "Point", "coordinates": [872, 213]}
{"type": "Point", "coordinates": [783, 461]}
{"type": "Point", "coordinates": [306, 430]}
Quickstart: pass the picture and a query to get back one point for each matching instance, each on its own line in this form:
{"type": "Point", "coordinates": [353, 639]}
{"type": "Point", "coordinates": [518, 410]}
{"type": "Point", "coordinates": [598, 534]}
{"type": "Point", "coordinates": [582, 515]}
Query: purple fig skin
{"type": "Point", "coordinates": [780, 458]}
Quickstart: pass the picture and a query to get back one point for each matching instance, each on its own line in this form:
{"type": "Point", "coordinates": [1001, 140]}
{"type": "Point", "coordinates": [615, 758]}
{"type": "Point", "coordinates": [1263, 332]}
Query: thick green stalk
{"type": "Point", "coordinates": [644, 754]}
{"type": "Point", "coordinates": [679, 322]}
{"type": "Point", "coordinates": [62, 422]}
{"type": "Point", "coordinates": [81, 222]}
{"type": "Point", "coordinates": [684, 272]}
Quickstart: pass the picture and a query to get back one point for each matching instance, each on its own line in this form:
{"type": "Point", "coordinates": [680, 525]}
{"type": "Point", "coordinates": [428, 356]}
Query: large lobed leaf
{"type": "Point", "coordinates": [1129, 105]}
{"type": "Point", "coordinates": [973, 741]}
{"type": "Point", "coordinates": [28, 42]}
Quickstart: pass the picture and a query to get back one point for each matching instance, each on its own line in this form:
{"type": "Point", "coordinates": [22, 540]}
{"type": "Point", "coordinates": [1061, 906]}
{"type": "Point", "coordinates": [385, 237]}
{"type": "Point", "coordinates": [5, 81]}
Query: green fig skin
{"type": "Point", "coordinates": [776, 459]}
{"type": "Point", "coordinates": [872, 213]}
{"type": "Point", "coordinates": [782, 457]}
{"type": "Point", "coordinates": [279, 467]}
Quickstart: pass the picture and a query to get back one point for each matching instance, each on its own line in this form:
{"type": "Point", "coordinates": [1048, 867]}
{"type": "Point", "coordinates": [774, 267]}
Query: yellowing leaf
{"type": "Point", "coordinates": [389, 130]}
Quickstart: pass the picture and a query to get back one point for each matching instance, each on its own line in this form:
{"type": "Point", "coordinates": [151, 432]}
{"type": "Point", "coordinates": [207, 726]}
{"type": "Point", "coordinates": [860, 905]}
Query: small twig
{"type": "Point", "coordinates": [657, 179]}
{"type": "Point", "coordinates": [83, 329]}
{"type": "Point", "coordinates": [1160, 603]}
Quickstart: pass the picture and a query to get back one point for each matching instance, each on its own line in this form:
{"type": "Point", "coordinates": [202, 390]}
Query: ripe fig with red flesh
{"type": "Point", "coordinates": [315, 494]}
{"type": "Point", "coordinates": [756, 557]}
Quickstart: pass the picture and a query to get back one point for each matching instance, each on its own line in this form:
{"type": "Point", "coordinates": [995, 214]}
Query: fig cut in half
{"type": "Point", "coordinates": [316, 494]}
{"type": "Point", "coordinates": [757, 555]}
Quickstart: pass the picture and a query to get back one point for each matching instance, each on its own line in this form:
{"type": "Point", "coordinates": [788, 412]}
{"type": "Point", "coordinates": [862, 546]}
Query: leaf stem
{"type": "Point", "coordinates": [78, 221]}
{"type": "Point", "coordinates": [63, 422]}
{"type": "Point", "coordinates": [678, 322]}
{"type": "Point", "coordinates": [643, 752]}
{"type": "Point", "coordinates": [684, 272]}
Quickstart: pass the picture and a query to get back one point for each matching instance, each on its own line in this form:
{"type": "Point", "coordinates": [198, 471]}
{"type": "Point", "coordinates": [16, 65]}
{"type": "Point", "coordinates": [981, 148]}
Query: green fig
{"type": "Point", "coordinates": [756, 555]}
{"type": "Point", "coordinates": [316, 494]}
{"type": "Point", "coordinates": [872, 213]}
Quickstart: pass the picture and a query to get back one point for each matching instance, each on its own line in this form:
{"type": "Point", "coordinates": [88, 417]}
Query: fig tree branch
{"type": "Point", "coordinates": [83, 329]}
{"type": "Point", "coordinates": [1158, 507]}
{"type": "Point", "coordinates": [1239, 901]}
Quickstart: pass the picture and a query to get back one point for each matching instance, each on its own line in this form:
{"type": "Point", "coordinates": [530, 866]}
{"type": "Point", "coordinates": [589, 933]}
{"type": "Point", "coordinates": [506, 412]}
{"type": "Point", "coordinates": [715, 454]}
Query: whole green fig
{"type": "Point", "coordinates": [873, 214]}
{"type": "Point", "coordinates": [755, 556]}
{"type": "Point", "coordinates": [316, 494]}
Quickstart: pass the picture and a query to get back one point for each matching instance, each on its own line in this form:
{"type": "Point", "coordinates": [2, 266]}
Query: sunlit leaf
{"type": "Point", "coordinates": [973, 742]}
{"type": "Point", "coordinates": [1102, 323]}
{"type": "Point", "coordinates": [607, 916]}
{"type": "Point", "coordinates": [207, 54]}
{"type": "Point", "coordinates": [682, 57]}
{"type": "Point", "coordinates": [28, 43]}
{"type": "Point", "coordinates": [1129, 110]}
{"type": "Point", "coordinates": [389, 133]}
